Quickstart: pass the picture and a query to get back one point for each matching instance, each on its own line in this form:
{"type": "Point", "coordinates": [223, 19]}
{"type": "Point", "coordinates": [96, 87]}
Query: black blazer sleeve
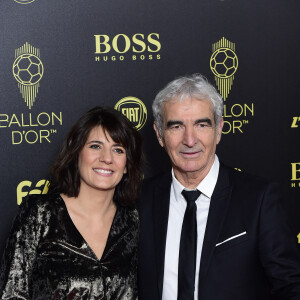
{"type": "Point", "coordinates": [278, 250]}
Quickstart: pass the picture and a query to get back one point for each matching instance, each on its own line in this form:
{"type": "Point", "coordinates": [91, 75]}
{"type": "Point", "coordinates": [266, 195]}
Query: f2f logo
{"type": "Point", "coordinates": [41, 187]}
{"type": "Point", "coordinates": [295, 121]}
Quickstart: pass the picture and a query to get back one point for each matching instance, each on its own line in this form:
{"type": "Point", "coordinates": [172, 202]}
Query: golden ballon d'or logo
{"type": "Point", "coordinates": [28, 70]}
{"type": "Point", "coordinates": [24, 1]}
{"type": "Point", "coordinates": [224, 64]}
{"type": "Point", "coordinates": [134, 109]}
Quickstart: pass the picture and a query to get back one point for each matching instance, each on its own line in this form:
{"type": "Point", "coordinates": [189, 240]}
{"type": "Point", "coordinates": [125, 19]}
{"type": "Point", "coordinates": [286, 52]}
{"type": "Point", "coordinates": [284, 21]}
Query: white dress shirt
{"type": "Point", "coordinates": [176, 214]}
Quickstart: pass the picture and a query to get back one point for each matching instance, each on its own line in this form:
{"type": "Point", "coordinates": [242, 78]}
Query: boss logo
{"type": "Point", "coordinates": [134, 109]}
{"type": "Point", "coordinates": [121, 43]}
{"type": "Point", "coordinates": [295, 171]}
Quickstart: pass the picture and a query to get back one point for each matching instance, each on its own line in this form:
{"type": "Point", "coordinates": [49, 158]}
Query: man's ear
{"type": "Point", "coordinates": [159, 137]}
{"type": "Point", "coordinates": [219, 130]}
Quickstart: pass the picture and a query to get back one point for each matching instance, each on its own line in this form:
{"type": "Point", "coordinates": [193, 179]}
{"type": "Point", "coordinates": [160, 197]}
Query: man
{"type": "Point", "coordinates": [224, 236]}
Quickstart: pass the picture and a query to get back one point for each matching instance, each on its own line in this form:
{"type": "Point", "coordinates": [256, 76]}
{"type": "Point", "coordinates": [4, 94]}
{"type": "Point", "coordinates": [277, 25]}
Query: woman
{"type": "Point", "coordinates": [80, 240]}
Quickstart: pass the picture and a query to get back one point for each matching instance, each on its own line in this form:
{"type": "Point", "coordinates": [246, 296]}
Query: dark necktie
{"type": "Point", "coordinates": [188, 248]}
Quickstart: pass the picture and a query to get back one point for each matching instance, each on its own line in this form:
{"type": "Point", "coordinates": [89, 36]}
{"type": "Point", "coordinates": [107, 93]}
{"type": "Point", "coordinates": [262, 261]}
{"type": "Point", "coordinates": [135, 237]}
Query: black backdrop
{"type": "Point", "coordinates": [59, 58]}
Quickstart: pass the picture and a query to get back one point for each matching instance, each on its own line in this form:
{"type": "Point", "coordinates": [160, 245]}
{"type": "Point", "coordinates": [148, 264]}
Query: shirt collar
{"type": "Point", "coordinates": [206, 186]}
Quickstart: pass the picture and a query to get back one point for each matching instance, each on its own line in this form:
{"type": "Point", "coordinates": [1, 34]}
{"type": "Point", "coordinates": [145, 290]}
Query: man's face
{"type": "Point", "coordinates": [190, 136]}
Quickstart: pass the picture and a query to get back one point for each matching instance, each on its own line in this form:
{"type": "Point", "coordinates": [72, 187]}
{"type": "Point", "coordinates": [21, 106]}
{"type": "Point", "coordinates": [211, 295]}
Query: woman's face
{"type": "Point", "coordinates": [101, 162]}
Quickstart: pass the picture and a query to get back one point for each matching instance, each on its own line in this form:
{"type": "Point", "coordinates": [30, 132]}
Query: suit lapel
{"type": "Point", "coordinates": [160, 219]}
{"type": "Point", "coordinates": [217, 212]}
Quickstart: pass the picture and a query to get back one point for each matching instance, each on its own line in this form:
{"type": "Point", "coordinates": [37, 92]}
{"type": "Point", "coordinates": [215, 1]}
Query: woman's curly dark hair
{"type": "Point", "coordinates": [65, 174]}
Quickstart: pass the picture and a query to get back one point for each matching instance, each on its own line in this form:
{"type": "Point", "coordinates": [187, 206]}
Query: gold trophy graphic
{"type": "Point", "coordinates": [28, 70]}
{"type": "Point", "coordinates": [223, 64]}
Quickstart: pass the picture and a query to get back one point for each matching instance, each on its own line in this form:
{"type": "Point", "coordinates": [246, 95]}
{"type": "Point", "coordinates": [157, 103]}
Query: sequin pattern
{"type": "Point", "coordinates": [47, 258]}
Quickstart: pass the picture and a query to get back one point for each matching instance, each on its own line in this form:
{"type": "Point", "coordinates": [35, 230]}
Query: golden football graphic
{"type": "Point", "coordinates": [223, 62]}
{"type": "Point", "coordinates": [28, 69]}
{"type": "Point", "coordinates": [24, 1]}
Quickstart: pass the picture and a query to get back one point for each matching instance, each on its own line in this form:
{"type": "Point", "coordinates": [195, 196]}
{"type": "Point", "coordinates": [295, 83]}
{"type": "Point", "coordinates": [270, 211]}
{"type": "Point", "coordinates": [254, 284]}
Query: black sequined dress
{"type": "Point", "coordinates": [47, 258]}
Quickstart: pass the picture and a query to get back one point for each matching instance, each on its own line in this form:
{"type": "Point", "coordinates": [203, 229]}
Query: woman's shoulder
{"type": "Point", "coordinates": [40, 202]}
{"type": "Point", "coordinates": [133, 214]}
{"type": "Point", "coordinates": [129, 214]}
{"type": "Point", "coordinates": [34, 213]}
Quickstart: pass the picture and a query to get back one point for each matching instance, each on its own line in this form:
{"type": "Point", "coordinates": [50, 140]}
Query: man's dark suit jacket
{"type": "Point", "coordinates": [263, 262]}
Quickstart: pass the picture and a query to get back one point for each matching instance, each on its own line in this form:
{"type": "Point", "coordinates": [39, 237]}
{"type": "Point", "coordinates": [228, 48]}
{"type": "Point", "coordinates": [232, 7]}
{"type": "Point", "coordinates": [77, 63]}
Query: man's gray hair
{"type": "Point", "coordinates": [193, 86]}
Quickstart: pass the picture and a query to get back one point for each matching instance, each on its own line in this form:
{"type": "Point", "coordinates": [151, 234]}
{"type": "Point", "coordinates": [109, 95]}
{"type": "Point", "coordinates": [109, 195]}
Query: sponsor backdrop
{"type": "Point", "coordinates": [60, 58]}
